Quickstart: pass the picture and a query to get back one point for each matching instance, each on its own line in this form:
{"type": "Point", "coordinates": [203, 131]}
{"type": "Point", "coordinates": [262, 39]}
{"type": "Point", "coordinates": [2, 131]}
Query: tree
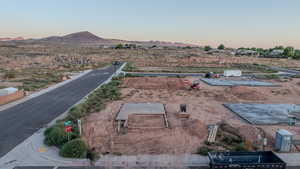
{"type": "Point", "coordinates": [207, 48]}
{"type": "Point", "coordinates": [279, 47]}
{"type": "Point", "coordinates": [221, 47]}
{"type": "Point", "coordinates": [297, 54]}
{"type": "Point", "coordinates": [289, 51]}
{"type": "Point", "coordinates": [119, 46]}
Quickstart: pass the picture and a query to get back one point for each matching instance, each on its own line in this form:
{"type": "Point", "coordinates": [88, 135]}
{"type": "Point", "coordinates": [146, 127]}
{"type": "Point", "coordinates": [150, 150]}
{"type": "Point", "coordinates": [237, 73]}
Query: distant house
{"type": "Point", "coordinates": [245, 52]}
{"type": "Point", "coordinates": [277, 53]}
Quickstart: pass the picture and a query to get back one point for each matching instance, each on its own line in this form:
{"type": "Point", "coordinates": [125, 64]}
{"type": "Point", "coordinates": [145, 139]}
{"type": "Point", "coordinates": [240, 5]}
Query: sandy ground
{"type": "Point", "coordinates": [184, 135]}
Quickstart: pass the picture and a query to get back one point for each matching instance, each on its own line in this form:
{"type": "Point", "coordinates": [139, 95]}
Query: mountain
{"type": "Point", "coordinates": [79, 37]}
{"type": "Point", "coordinates": [11, 39]}
{"type": "Point", "coordinates": [86, 38]}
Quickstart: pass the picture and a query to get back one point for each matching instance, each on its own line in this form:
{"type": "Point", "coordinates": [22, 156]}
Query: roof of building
{"type": "Point", "coordinates": [140, 108]}
{"type": "Point", "coordinates": [284, 132]}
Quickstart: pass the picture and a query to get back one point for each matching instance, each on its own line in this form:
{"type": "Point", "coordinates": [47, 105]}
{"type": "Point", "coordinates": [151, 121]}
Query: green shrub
{"type": "Point", "coordinates": [289, 51]}
{"type": "Point", "coordinates": [77, 112]}
{"type": "Point", "coordinates": [55, 136]}
{"type": "Point", "coordinates": [129, 67]}
{"type": "Point", "coordinates": [74, 149]}
{"type": "Point", "coordinates": [204, 150]}
{"type": "Point", "coordinates": [221, 47]}
{"type": "Point", "coordinates": [119, 46]}
{"type": "Point", "coordinates": [207, 48]}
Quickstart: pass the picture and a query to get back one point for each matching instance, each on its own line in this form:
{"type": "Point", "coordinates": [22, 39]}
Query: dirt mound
{"type": "Point", "coordinates": [195, 128]}
{"type": "Point", "coordinates": [245, 93]}
{"type": "Point", "coordinates": [154, 83]}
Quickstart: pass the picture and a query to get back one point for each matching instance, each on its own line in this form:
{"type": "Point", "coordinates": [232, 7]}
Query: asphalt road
{"type": "Point", "coordinates": [285, 70]}
{"type": "Point", "coordinates": [21, 121]}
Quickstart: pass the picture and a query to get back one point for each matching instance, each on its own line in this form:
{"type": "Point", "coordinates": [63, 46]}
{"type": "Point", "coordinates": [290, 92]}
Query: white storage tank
{"type": "Point", "coordinates": [7, 91]}
{"type": "Point", "coordinates": [283, 141]}
{"type": "Point", "coordinates": [228, 73]}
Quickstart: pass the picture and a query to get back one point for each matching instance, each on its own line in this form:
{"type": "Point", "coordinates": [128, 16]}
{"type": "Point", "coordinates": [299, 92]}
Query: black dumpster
{"type": "Point", "coordinates": [245, 160]}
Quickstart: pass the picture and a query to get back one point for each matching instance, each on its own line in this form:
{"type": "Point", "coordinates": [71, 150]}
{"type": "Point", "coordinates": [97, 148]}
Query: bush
{"type": "Point", "coordinates": [129, 67]}
{"type": "Point", "coordinates": [289, 51]}
{"type": "Point", "coordinates": [55, 136]}
{"type": "Point", "coordinates": [207, 48]}
{"type": "Point", "coordinates": [221, 47]}
{"type": "Point", "coordinates": [74, 149]}
{"type": "Point", "coordinates": [10, 75]}
{"type": "Point", "coordinates": [297, 54]}
{"type": "Point", "coordinates": [77, 112]}
{"type": "Point", "coordinates": [204, 150]}
{"type": "Point", "coordinates": [119, 46]}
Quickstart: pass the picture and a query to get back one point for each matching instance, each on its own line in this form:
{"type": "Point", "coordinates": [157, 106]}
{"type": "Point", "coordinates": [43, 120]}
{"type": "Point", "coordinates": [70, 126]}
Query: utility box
{"type": "Point", "coordinates": [232, 73]}
{"type": "Point", "coordinates": [283, 141]}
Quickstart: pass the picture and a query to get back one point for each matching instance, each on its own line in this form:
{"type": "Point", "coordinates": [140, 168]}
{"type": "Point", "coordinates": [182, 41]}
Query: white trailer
{"type": "Point", "coordinates": [7, 91]}
{"type": "Point", "coordinates": [234, 73]}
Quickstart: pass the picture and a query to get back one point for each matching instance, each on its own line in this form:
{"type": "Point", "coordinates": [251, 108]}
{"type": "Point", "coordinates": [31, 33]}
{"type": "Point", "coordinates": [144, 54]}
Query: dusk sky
{"type": "Point", "coordinates": [236, 23]}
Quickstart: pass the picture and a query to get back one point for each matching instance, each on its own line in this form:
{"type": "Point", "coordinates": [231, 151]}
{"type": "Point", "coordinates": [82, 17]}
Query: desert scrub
{"type": "Point", "coordinates": [130, 67]}
{"type": "Point", "coordinates": [74, 149]}
{"type": "Point", "coordinates": [204, 150]}
{"type": "Point", "coordinates": [272, 76]}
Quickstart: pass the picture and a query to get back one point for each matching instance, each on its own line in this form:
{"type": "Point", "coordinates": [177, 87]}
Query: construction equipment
{"type": "Point", "coordinates": [183, 113]}
{"type": "Point", "coordinates": [192, 85]}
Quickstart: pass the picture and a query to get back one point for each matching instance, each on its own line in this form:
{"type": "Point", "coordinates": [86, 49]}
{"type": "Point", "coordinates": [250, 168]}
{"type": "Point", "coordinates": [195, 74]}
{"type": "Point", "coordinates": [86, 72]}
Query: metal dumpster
{"type": "Point", "coordinates": [245, 160]}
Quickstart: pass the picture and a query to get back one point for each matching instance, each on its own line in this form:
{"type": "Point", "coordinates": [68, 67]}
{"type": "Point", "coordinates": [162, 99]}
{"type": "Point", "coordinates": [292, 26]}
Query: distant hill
{"type": "Point", "coordinates": [11, 39]}
{"type": "Point", "coordinates": [88, 39]}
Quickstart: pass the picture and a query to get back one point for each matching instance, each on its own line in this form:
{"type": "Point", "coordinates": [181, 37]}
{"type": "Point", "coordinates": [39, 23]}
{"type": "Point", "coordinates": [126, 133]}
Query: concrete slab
{"type": "Point", "coordinates": [264, 114]}
{"type": "Point", "coordinates": [140, 108]}
{"type": "Point", "coordinates": [222, 82]}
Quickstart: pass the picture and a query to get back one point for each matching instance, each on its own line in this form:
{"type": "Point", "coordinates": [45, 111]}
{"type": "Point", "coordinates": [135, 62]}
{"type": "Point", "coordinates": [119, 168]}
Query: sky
{"type": "Point", "coordinates": [235, 23]}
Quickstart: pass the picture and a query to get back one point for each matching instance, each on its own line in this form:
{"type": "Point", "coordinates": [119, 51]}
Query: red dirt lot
{"type": "Point", "coordinates": [183, 135]}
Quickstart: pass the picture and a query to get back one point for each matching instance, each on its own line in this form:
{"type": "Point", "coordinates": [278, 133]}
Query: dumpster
{"type": "Point", "coordinates": [245, 160]}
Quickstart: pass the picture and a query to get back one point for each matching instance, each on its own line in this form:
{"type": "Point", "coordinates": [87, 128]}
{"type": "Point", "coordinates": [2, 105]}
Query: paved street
{"type": "Point", "coordinates": [285, 70]}
{"type": "Point", "coordinates": [21, 121]}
